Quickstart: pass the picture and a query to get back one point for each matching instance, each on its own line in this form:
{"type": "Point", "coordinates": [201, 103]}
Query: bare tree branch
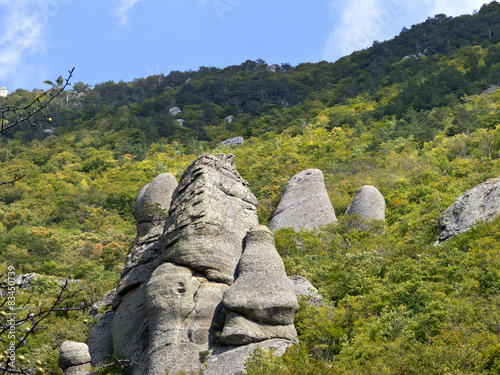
{"type": "Point", "coordinates": [31, 318]}
{"type": "Point", "coordinates": [26, 113]}
{"type": "Point", "coordinates": [37, 105]}
{"type": "Point", "coordinates": [14, 180]}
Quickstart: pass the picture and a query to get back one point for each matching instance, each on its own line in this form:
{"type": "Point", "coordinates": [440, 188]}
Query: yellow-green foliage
{"type": "Point", "coordinates": [418, 129]}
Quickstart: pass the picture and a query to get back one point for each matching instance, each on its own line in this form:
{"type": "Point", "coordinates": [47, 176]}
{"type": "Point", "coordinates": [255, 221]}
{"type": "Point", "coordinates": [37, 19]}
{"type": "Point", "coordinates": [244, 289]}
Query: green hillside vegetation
{"type": "Point", "coordinates": [408, 116]}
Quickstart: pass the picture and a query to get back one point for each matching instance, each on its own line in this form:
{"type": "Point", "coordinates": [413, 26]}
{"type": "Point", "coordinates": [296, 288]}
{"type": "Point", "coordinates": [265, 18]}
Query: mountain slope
{"type": "Point", "coordinates": [419, 128]}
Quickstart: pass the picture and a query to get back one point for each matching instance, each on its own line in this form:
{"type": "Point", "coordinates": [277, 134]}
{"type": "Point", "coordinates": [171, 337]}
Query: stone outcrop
{"type": "Point", "coordinates": [479, 204]}
{"type": "Point", "coordinates": [256, 311]}
{"type": "Point", "coordinates": [231, 359]}
{"type": "Point", "coordinates": [183, 312]}
{"type": "Point", "coordinates": [203, 290]}
{"type": "Point", "coordinates": [211, 211]}
{"type": "Point", "coordinates": [305, 203]}
{"type": "Point", "coordinates": [153, 200]}
{"type": "Point", "coordinates": [369, 203]}
{"type": "Point", "coordinates": [3, 92]}
{"type": "Point", "coordinates": [105, 301]}
{"type": "Point", "coordinates": [235, 141]}
{"type": "Point", "coordinates": [100, 340]}
{"type": "Point", "coordinates": [304, 289]}
{"type": "Point", "coordinates": [174, 111]}
{"type": "Point", "coordinates": [74, 358]}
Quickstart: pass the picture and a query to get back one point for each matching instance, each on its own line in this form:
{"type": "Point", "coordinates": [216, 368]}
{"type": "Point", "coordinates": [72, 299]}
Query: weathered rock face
{"type": "Point", "coordinates": [100, 340]}
{"type": "Point", "coordinates": [168, 310]}
{"type": "Point", "coordinates": [305, 203]}
{"type": "Point", "coordinates": [154, 198]}
{"type": "Point", "coordinates": [481, 203]}
{"type": "Point", "coordinates": [74, 358]}
{"type": "Point", "coordinates": [304, 288]}
{"type": "Point", "coordinates": [231, 359]}
{"type": "Point", "coordinates": [212, 209]}
{"type": "Point", "coordinates": [261, 267]}
{"type": "Point", "coordinates": [262, 301]}
{"type": "Point", "coordinates": [3, 92]}
{"type": "Point", "coordinates": [174, 111]}
{"type": "Point", "coordinates": [233, 141]}
{"type": "Point", "coordinates": [183, 311]}
{"type": "Point", "coordinates": [368, 203]}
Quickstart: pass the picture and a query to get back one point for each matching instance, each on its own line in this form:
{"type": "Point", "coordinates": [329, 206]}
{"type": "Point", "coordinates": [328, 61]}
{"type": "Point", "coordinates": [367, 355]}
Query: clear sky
{"type": "Point", "coordinates": [126, 39]}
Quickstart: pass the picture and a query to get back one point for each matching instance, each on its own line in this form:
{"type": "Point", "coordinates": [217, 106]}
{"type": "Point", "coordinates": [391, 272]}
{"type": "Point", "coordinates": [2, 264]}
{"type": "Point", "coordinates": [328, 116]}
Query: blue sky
{"type": "Point", "coordinates": [126, 39]}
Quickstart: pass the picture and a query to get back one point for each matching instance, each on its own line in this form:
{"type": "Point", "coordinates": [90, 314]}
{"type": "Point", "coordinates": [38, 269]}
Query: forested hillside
{"type": "Point", "coordinates": [416, 116]}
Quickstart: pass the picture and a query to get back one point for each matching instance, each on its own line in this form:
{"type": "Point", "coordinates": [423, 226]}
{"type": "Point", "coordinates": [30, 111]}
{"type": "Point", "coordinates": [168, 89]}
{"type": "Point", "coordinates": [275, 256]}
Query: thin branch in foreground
{"type": "Point", "coordinates": [14, 180]}
{"type": "Point", "coordinates": [27, 112]}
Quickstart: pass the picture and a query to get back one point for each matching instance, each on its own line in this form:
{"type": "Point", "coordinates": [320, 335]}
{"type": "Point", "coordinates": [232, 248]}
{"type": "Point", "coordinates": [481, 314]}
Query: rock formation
{"type": "Point", "coordinates": [235, 141]}
{"type": "Point", "coordinates": [481, 203]}
{"type": "Point", "coordinates": [198, 289]}
{"type": "Point", "coordinates": [174, 111]}
{"type": "Point", "coordinates": [254, 310]}
{"type": "Point", "coordinates": [305, 203]}
{"type": "Point", "coordinates": [154, 198]}
{"type": "Point", "coordinates": [3, 92]}
{"type": "Point", "coordinates": [74, 358]}
{"type": "Point", "coordinates": [369, 203]}
{"type": "Point", "coordinates": [211, 211]}
{"type": "Point", "coordinates": [304, 288]}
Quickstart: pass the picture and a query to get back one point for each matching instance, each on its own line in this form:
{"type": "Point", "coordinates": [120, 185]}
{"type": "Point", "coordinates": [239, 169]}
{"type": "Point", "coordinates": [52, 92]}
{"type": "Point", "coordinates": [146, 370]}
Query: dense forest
{"type": "Point", "coordinates": [418, 117]}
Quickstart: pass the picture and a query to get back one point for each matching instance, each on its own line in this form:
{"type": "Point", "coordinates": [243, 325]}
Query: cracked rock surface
{"type": "Point", "coordinates": [202, 289]}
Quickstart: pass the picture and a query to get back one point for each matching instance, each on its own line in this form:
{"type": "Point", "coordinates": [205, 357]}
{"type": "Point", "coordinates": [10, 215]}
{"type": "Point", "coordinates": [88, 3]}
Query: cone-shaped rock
{"type": "Point", "coordinates": [212, 209]}
{"type": "Point", "coordinates": [262, 296]}
{"type": "Point", "coordinates": [305, 203]}
{"type": "Point", "coordinates": [154, 198]}
{"type": "Point", "coordinates": [368, 203]}
{"type": "Point", "coordinates": [481, 203]}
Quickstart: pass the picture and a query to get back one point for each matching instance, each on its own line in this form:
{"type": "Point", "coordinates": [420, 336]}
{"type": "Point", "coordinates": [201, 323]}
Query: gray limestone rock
{"type": "Point", "coordinates": [77, 370]}
{"type": "Point", "coordinates": [261, 303]}
{"type": "Point", "coordinates": [129, 328]}
{"type": "Point", "coordinates": [305, 203]}
{"type": "Point", "coordinates": [241, 330]}
{"type": "Point", "coordinates": [154, 199]}
{"type": "Point", "coordinates": [168, 308]}
{"type": "Point", "coordinates": [262, 290]}
{"type": "Point", "coordinates": [369, 203]}
{"type": "Point", "coordinates": [211, 211]}
{"type": "Point", "coordinates": [100, 341]}
{"type": "Point", "coordinates": [479, 204]}
{"type": "Point", "coordinates": [304, 288]}
{"type": "Point", "coordinates": [230, 360]}
{"type": "Point", "coordinates": [183, 311]}
{"type": "Point", "coordinates": [174, 111]}
{"type": "Point", "coordinates": [139, 202]}
{"type": "Point", "coordinates": [233, 141]}
{"type": "Point", "coordinates": [107, 300]}
{"type": "Point", "coordinates": [139, 264]}
{"type": "Point", "coordinates": [74, 354]}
